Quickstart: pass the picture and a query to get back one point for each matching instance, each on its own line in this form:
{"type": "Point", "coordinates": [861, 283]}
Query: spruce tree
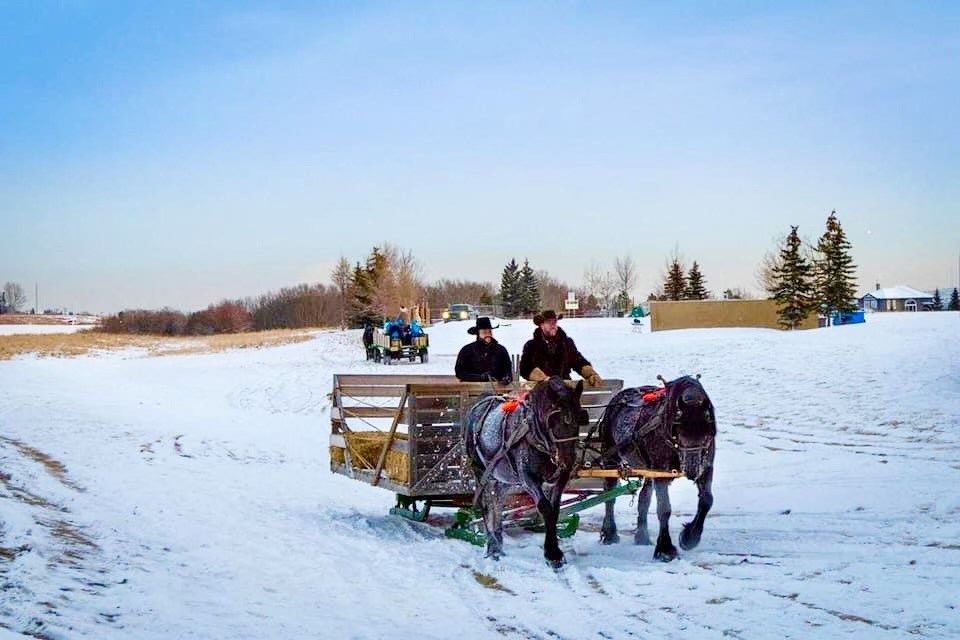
{"type": "Point", "coordinates": [362, 299]}
{"type": "Point", "coordinates": [835, 285]}
{"type": "Point", "coordinates": [675, 284]}
{"type": "Point", "coordinates": [937, 300]}
{"type": "Point", "coordinates": [954, 301]}
{"type": "Point", "coordinates": [510, 289]}
{"type": "Point", "coordinates": [695, 289]}
{"type": "Point", "coordinates": [529, 290]}
{"type": "Point", "coordinates": [793, 278]}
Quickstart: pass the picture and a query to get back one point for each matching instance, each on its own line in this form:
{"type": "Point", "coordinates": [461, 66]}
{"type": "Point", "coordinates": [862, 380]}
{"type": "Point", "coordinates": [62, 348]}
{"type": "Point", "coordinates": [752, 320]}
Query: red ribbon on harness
{"type": "Point", "coordinates": [655, 396]}
{"type": "Point", "coordinates": [511, 405]}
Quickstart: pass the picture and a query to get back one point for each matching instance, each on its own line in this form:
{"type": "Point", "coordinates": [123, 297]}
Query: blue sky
{"type": "Point", "coordinates": [177, 153]}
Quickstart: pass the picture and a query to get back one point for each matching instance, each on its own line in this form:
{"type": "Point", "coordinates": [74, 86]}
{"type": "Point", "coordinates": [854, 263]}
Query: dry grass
{"type": "Point", "coordinates": [83, 342]}
{"type": "Point", "coordinates": [24, 318]}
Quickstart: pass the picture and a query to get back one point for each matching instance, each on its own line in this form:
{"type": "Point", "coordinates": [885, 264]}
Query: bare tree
{"type": "Point", "coordinates": [16, 298]}
{"type": "Point", "coordinates": [766, 271]}
{"type": "Point", "coordinates": [401, 283]}
{"type": "Point", "coordinates": [626, 271]}
{"type": "Point", "coordinates": [601, 284]}
{"type": "Point", "coordinates": [445, 291]}
{"type": "Point", "coordinates": [341, 280]}
{"type": "Point", "coordinates": [552, 291]}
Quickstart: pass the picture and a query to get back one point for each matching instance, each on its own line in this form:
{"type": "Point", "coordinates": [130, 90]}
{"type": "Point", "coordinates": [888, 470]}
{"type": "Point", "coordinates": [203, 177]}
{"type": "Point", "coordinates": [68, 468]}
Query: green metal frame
{"type": "Point", "coordinates": [468, 523]}
{"type": "Point", "coordinates": [407, 508]}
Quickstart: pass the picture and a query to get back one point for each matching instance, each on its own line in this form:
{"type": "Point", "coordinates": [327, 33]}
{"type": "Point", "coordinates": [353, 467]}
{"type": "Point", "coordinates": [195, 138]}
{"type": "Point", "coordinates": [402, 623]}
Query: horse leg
{"type": "Point", "coordinates": [665, 550]}
{"type": "Point", "coordinates": [690, 535]}
{"type": "Point", "coordinates": [608, 532]}
{"type": "Point", "coordinates": [492, 505]}
{"type": "Point", "coordinates": [642, 535]}
{"type": "Point", "coordinates": [556, 494]}
{"type": "Point", "coordinates": [551, 547]}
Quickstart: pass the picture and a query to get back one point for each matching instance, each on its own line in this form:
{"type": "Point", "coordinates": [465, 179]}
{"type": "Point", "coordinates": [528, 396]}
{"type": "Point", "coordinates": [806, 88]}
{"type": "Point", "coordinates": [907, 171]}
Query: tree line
{"type": "Point", "coordinates": [805, 280]}
{"type": "Point", "coordinates": [682, 283]}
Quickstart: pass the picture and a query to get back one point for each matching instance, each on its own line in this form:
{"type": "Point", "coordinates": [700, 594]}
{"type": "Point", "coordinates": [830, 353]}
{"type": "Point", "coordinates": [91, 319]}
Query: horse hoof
{"type": "Point", "coordinates": [688, 540]}
{"type": "Point", "coordinates": [609, 537]}
{"type": "Point", "coordinates": [642, 540]}
{"type": "Point", "coordinates": [665, 555]}
{"type": "Point", "coordinates": [554, 559]}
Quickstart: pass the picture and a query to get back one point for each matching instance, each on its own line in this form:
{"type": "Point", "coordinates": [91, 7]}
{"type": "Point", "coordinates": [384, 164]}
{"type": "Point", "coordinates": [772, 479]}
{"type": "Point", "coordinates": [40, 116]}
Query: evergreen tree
{"type": "Point", "coordinates": [624, 303]}
{"type": "Point", "coordinates": [529, 290]}
{"type": "Point", "coordinates": [362, 298]}
{"type": "Point", "coordinates": [675, 284]}
{"type": "Point", "coordinates": [835, 285]}
{"type": "Point", "coordinates": [793, 278]}
{"type": "Point", "coordinates": [510, 289]}
{"type": "Point", "coordinates": [695, 289]}
{"type": "Point", "coordinates": [954, 301]}
{"type": "Point", "coordinates": [937, 300]}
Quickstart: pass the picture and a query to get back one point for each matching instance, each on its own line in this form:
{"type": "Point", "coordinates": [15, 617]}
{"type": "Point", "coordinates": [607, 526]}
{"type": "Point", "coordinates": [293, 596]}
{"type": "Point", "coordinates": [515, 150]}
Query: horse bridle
{"type": "Point", "coordinates": [552, 447]}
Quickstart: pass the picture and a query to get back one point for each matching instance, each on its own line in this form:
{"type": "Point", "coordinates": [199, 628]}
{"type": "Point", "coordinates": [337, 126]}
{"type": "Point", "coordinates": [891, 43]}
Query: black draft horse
{"type": "Point", "coordinates": [665, 428]}
{"type": "Point", "coordinates": [527, 444]}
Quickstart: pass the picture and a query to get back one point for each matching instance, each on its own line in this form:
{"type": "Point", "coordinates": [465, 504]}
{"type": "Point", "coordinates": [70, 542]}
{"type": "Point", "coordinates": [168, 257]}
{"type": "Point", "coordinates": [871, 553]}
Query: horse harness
{"type": "Point", "coordinates": [652, 426]}
{"type": "Point", "coordinates": [544, 443]}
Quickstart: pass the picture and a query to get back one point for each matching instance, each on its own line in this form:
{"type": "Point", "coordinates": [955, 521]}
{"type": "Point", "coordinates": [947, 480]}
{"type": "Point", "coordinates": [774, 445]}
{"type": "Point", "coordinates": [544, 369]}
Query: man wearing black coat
{"type": "Point", "coordinates": [484, 359]}
{"type": "Point", "coordinates": [552, 353]}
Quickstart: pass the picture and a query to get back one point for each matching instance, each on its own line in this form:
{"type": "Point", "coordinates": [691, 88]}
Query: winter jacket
{"type": "Point", "coordinates": [479, 362]}
{"type": "Point", "coordinates": [555, 357]}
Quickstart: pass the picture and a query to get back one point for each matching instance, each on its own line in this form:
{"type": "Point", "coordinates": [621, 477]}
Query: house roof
{"type": "Point", "coordinates": [901, 292]}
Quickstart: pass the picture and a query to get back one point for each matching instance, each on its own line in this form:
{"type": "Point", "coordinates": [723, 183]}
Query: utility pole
{"type": "Point", "coordinates": [36, 298]}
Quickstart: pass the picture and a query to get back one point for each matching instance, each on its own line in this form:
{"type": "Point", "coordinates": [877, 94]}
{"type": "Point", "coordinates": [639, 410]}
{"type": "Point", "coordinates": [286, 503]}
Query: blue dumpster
{"type": "Point", "coordinates": [847, 317]}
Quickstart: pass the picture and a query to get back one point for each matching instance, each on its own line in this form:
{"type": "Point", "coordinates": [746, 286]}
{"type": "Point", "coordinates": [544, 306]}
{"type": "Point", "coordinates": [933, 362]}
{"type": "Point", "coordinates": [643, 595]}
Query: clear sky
{"type": "Point", "coordinates": [166, 153]}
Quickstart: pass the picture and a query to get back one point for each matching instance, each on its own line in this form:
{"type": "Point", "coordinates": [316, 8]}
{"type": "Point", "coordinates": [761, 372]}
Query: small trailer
{"type": "Point", "coordinates": [404, 433]}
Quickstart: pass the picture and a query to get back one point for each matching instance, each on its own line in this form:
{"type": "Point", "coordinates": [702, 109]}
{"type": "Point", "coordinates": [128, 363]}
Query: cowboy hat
{"type": "Point", "coordinates": [482, 323]}
{"type": "Point", "coordinates": [543, 316]}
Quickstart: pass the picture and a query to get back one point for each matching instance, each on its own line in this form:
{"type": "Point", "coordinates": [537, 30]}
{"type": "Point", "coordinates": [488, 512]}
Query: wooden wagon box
{"type": "Point", "coordinates": [404, 432]}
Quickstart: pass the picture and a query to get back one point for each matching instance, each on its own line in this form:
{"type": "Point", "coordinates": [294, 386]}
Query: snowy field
{"type": "Point", "coordinates": [190, 497]}
{"type": "Point", "coordinates": [18, 329]}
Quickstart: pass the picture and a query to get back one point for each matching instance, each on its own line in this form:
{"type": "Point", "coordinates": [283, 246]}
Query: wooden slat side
{"type": "Point", "coordinates": [386, 379]}
{"type": "Point", "coordinates": [367, 412]}
{"type": "Point", "coordinates": [371, 391]}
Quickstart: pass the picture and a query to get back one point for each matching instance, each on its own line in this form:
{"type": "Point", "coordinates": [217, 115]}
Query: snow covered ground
{"type": "Point", "coordinates": [17, 329]}
{"type": "Point", "coordinates": [189, 496]}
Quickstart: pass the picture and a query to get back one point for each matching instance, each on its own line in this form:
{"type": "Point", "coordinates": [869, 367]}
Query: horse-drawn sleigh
{"type": "Point", "coordinates": [530, 458]}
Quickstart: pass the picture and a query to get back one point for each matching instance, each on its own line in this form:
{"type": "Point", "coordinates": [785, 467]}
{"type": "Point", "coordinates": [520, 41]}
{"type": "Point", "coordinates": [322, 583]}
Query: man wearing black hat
{"type": "Point", "coordinates": [484, 359]}
{"type": "Point", "coordinates": [552, 353]}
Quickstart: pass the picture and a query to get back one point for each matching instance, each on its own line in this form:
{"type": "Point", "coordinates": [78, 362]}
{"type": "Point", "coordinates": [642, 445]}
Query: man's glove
{"type": "Point", "coordinates": [537, 375]}
{"type": "Point", "coordinates": [591, 376]}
